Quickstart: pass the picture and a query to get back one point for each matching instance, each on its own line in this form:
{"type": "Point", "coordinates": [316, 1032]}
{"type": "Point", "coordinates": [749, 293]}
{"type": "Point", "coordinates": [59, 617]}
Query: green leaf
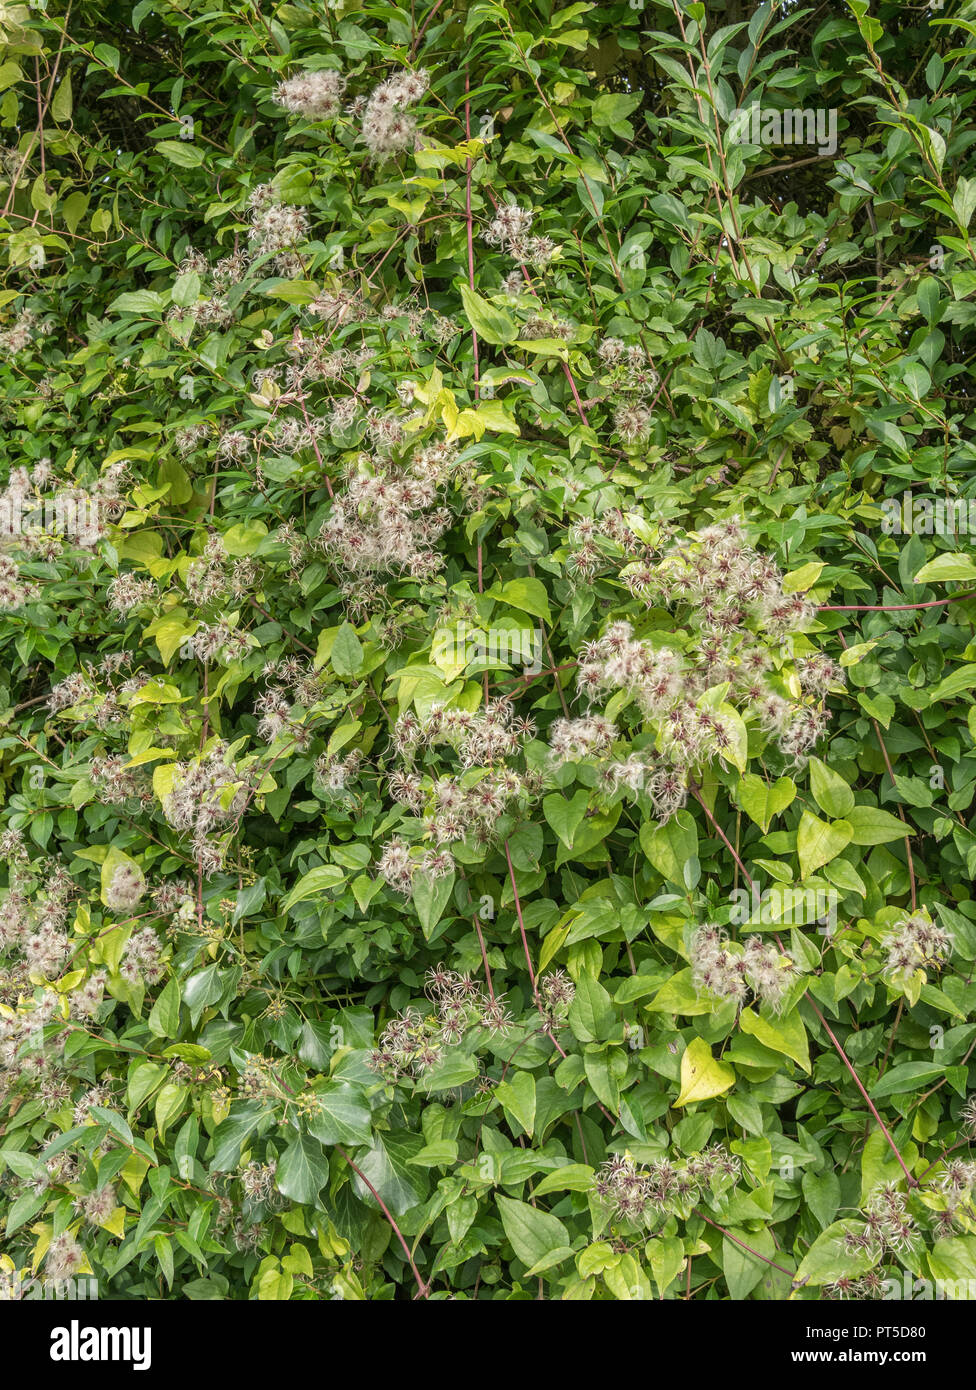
{"type": "Point", "coordinates": [164, 1017]}
{"type": "Point", "coordinates": [822, 1192]}
{"type": "Point", "coordinates": [953, 1262]}
{"type": "Point", "coordinates": [962, 679]}
{"type": "Point", "coordinates": [671, 846]}
{"type": "Point", "coordinates": [302, 1170]}
{"type": "Point", "coordinates": [786, 1034]}
{"type": "Point", "coordinates": [341, 1116]}
{"type": "Point", "coordinates": [832, 794]}
{"type": "Point", "coordinates": [829, 1258]}
{"type": "Point", "coordinates": [879, 1163]}
{"type": "Point", "coordinates": [872, 826]}
{"type": "Point", "coordinates": [817, 841]}
{"type": "Point", "coordinates": [430, 897]}
{"type": "Point", "coordinates": [347, 651]}
{"type": "Point", "coordinates": [763, 801]}
{"type": "Point", "coordinates": [571, 1177]}
{"type": "Point", "coordinates": [233, 1132]}
{"type": "Point", "coordinates": [591, 1014]}
{"type": "Point", "coordinates": [742, 1270]}
{"type": "Point", "coordinates": [386, 1166]}
{"type": "Point", "coordinates": [491, 324]}
{"type": "Point", "coordinates": [889, 434]}
{"type": "Point", "coordinates": [527, 595]}
{"type": "Point", "coordinates": [906, 1078]}
{"type": "Point", "coordinates": [517, 1098]}
{"type": "Point", "coordinates": [313, 883]}
{"type": "Point", "coordinates": [946, 567]}
{"type": "Point", "coordinates": [181, 152]}
{"type": "Point", "coordinates": [533, 1234]}
{"type": "Point", "coordinates": [138, 302]}
{"type": "Point", "coordinates": [564, 814]}
{"type": "Point", "coordinates": [61, 104]}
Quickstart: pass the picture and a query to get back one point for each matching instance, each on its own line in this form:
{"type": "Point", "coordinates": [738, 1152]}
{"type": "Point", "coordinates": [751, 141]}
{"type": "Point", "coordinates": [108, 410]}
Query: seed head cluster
{"type": "Point", "coordinates": [315, 95]}
{"type": "Point", "coordinates": [415, 1041]}
{"type": "Point", "coordinates": [388, 127]}
{"type": "Point", "coordinates": [730, 974]}
{"type": "Point", "coordinates": [645, 1196]}
{"type": "Point", "coordinates": [913, 943]}
{"type": "Point", "coordinates": [207, 794]}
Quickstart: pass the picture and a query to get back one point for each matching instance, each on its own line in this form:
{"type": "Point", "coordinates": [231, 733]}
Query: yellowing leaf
{"type": "Point", "coordinates": [702, 1075]}
{"type": "Point", "coordinates": [786, 1034]}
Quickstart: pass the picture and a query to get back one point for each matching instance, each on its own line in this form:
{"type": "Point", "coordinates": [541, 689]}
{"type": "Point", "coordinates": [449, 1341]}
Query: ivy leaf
{"type": "Point", "coordinates": [341, 1116]}
{"type": "Point", "coordinates": [386, 1166]}
{"type": "Point", "coordinates": [233, 1132]}
{"type": "Point", "coordinates": [302, 1170]}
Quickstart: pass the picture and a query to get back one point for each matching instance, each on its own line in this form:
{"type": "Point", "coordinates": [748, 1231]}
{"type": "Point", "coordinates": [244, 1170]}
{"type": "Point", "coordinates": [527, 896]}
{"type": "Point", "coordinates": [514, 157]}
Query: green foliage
{"type": "Point", "coordinates": [487, 747]}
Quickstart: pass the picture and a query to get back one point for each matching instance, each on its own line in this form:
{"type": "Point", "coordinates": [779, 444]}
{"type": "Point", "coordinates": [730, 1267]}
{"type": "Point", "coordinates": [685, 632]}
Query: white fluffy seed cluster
{"type": "Point", "coordinates": [44, 526]}
{"type": "Point", "coordinates": [388, 127]}
{"type": "Point", "coordinates": [276, 228]}
{"type": "Point", "coordinates": [25, 327]}
{"type": "Point", "coordinates": [125, 888]}
{"type": "Point", "coordinates": [912, 944]}
{"type": "Point", "coordinates": [639, 1196]}
{"type": "Point", "coordinates": [509, 231]}
{"type": "Point", "coordinates": [456, 808]}
{"type": "Point", "coordinates": [203, 799]}
{"type": "Point", "coordinates": [294, 686]}
{"type": "Point", "coordinates": [730, 974]}
{"type": "Point", "coordinates": [315, 95]}
{"type": "Point", "coordinates": [414, 1042]}
{"type": "Point", "coordinates": [388, 521]}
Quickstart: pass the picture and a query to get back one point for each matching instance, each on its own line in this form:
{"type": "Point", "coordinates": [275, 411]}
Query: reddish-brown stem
{"type": "Point", "coordinates": [912, 1182]}
{"type": "Point", "coordinates": [422, 1288]}
{"type": "Point", "coordinates": [721, 834]}
{"type": "Point", "coordinates": [518, 912]}
{"type": "Point", "coordinates": [484, 955]}
{"type": "Point", "coordinates": [892, 607]}
{"type": "Point", "coordinates": [742, 1245]}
